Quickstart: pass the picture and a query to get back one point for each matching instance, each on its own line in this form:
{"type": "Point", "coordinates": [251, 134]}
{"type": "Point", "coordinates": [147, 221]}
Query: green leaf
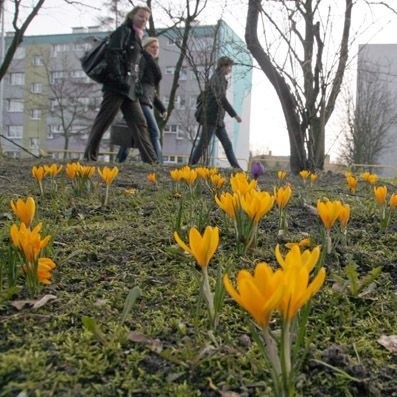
{"type": "Point", "coordinates": [92, 326]}
{"type": "Point", "coordinates": [132, 296]}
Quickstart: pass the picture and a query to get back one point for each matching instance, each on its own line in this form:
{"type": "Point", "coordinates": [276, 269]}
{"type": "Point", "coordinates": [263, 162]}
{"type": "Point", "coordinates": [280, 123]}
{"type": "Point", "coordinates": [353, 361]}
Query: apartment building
{"type": "Point", "coordinates": [377, 97]}
{"type": "Point", "coordinates": [49, 103]}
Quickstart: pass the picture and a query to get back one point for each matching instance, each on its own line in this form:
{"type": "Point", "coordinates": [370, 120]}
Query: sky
{"type": "Point", "coordinates": [268, 132]}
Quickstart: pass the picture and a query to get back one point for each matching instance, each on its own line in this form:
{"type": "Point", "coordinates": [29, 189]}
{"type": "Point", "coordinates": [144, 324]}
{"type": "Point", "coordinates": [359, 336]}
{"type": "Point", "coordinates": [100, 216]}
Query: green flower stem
{"type": "Point", "coordinates": [271, 352]}
{"type": "Point", "coordinates": [288, 384]}
{"type": "Point", "coordinates": [41, 188]}
{"type": "Point", "coordinates": [105, 203]}
{"type": "Point", "coordinates": [328, 240]}
{"type": "Point", "coordinates": [282, 222]}
{"type": "Point", "coordinates": [208, 295]}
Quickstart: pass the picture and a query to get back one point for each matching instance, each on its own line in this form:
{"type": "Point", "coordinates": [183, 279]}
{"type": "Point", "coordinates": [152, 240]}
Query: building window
{"type": "Point", "coordinates": [180, 102]}
{"type": "Point", "coordinates": [36, 88]}
{"type": "Point", "coordinates": [37, 60]}
{"type": "Point", "coordinates": [15, 105]}
{"type": "Point", "coordinates": [34, 143]}
{"type": "Point", "coordinates": [17, 78]}
{"type": "Point", "coordinates": [78, 74]}
{"type": "Point", "coordinates": [12, 154]}
{"type": "Point", "coordinates": [82, 47]}
{"type": "Point", "coordinates": [180, 134]}
{"type": "Point", "coordinates": [60, 48]}
{"type": "Point", "coordinates": [84, 102]}
{"type": "Point", "coordinates": [36, 114]}
{"type": "Point", "coordinates": [59, 75]}
{"type": "Point", "coordinates": [15, 131]}
{"type": "Point", "coordinates": [175, 41]}
{"type": "Point", "coordinates": [171, 129]}
{"type": "Point", "coordinates": [76, 129]}
{"type": "Point", "coordinates": [20, 53]}
{"type": "Point", "coordinates": [170, 70]}
{"type": "Point", "coordinates": [183, 74]}
{"type": "Point", "coordinates": [55, 128]}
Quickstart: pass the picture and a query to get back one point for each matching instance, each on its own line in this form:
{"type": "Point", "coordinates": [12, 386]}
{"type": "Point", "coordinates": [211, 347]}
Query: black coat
{"type": "Point", "coordinates": [123, 55]}
{"type": "Point", "coordinates": [215, 102]}
{"type": "Point", "coordinates": [150, 80]}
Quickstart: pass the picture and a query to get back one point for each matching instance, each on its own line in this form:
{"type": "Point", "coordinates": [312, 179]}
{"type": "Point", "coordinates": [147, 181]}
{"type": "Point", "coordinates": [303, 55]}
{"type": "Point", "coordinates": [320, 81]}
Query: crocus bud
{"type": "Point", "coordinates": [257, 169]}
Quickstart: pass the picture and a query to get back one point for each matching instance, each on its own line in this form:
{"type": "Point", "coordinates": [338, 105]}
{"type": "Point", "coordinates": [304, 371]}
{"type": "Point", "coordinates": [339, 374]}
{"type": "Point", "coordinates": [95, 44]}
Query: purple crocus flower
{"type": "Point", "coordinates": [257, 169]}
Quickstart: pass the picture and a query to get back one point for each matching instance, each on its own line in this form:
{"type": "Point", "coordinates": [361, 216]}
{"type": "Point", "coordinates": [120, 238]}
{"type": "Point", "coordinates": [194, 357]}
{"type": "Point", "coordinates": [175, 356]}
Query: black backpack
{"type": "Point", "coordinates": [93, 62]}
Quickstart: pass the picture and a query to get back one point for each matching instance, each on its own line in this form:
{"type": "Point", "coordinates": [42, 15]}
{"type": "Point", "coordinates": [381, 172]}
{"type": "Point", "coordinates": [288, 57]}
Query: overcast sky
{"type": "Point", "coordinates": [268, 130]}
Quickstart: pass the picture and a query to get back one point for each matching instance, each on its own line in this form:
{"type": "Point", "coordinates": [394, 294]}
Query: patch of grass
{"type": "Point", "coordinates": [104, 252]}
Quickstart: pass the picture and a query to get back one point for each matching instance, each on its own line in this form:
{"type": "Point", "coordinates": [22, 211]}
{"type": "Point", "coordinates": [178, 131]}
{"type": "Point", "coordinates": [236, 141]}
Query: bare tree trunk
{"type": "Point", "coordinates": [287, 100]}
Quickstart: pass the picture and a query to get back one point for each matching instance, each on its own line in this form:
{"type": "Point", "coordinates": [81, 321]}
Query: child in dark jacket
{"type": "Point", "coordinates": [149, 83]}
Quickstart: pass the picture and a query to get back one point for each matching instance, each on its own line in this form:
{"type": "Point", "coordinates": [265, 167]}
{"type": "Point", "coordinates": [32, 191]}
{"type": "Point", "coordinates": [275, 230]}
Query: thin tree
{"type": "Point", "coordinates": [369, 119]}
{"type": "Point", "coordinates": [295, 52]}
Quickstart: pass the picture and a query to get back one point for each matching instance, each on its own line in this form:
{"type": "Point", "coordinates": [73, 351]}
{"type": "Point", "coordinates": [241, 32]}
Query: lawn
{"type": "Point", "coordinates": [84, 341]}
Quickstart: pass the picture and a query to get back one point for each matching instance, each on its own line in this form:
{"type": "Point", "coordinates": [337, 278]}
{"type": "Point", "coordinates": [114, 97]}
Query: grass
{"type": "Point", "coordinates": [164, 347]}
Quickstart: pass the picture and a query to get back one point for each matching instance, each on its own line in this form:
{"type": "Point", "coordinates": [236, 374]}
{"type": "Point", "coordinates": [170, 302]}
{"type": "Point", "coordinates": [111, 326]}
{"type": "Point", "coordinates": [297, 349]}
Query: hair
{"type": "Point", "coordinates": [224, 61]}
{"type": "Point", "coordinates": [146, 41]}
{"type": "Point", "coordinates": [135, 10]}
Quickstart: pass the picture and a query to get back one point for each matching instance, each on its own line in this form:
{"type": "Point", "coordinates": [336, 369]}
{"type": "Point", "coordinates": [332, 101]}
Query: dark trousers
{"type": "Point", "coordinates": [134, 118]}
{"type": "Point", "coordinates": [205, 138]}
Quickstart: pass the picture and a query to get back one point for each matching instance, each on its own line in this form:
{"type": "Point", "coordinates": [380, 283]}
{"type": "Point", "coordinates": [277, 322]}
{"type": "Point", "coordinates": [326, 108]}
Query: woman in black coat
{"type": "Point", "coordinates": [212, 119]}
{"type": "Point", "coordinates": [149, 99]}
{"type": "Point", "coordinates": [123, 55]}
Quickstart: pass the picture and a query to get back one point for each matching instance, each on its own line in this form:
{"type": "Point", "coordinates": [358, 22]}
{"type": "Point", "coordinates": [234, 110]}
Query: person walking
{"type": "Point", "coordinates": [211, 120]}
{"type": "Point", "coordinates": [123, 55]}
{"type": "Point", "coordinates": [149, 98]}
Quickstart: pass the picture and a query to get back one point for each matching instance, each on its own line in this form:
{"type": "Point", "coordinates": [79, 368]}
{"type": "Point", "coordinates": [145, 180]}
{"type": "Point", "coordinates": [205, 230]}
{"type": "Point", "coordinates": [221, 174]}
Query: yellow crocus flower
{"type": "Point", "coordinates": [352, 183]}
{"type": "Point", "coordinates": [202, 172]}
{"type": "Point", "coordinates": [201, 247]}
{"type": "Point", "coordinates": [108, 174]}
{"type": "Point", "coordinates": [294, 257]}
{"type": "Point", "coordinates": [229, 203]}
{"type": "Point", "coordinates": [302, 243]}
{"type": "Point", "coordinates": [259, 294]}
{"type": "Point", "coordinates": [87, 171]}
{"type": "Point", "coordinates": [298, 290]}
{"type": "Point", "coordinates": [313, 178]}
{"type": "Point", "coordinates": [71, 170]}
{"type": "Point", "coordinates": [304, 174]}
{"type": "Point", "coordinates": [344, 215]}
{"type": "Point", "coordinates": [176, 175]}
{"type": "Point", "coordinates": [24, 210]}
{"type": "Point", "coordinates": [328, 212]}
{"type": "Point", "coordinates": [188, 175]}
{"type": "Point", "coordinates": [217, 180]}
{"type": "Point", "coordinates": [44, 268]}
{"type": "Point", "coordinates": [240, 183]}
{"type": "Point", "coordinates": [152, 177]}
{"type": "Point", "coordinates": [256, 204]}
{"type": "Point", "coordinates": [281, 175]}
{"type": "Point", "coordinates": [28, 241]}
{"type": "Point", "coordinates": [393, 201]}
{"type": "Point", "coordinates": [38, 173]}
{"type": "Point", "coordinates": [365, 176]}
{"type": "Point", "coordinates": [52, 169]}
{"type": "Point", "coordinates": [372, 179]}
{"type": "Point", "coordinates": [380, 194]}
{"type": "Point", "coordinates": [282, 195]}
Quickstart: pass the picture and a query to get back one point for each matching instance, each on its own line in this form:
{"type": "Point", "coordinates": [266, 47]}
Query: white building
{"type": "Point", "coordinates": [377, 70]}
